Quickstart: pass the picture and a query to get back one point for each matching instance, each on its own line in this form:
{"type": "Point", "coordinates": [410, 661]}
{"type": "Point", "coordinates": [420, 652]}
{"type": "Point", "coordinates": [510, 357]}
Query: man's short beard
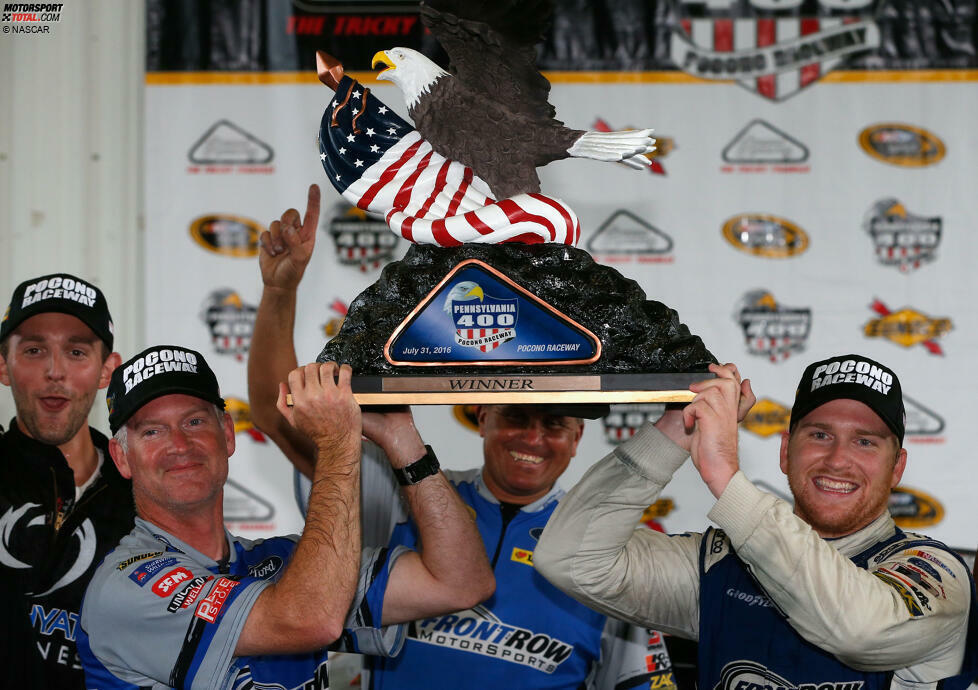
{"type": "Point", "coordinates": [27, 416]}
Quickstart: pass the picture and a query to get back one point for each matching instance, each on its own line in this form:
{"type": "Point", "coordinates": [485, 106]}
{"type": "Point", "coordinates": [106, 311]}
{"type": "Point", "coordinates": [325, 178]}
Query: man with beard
{"type": "Point", "coordinates": [829, 593]}
{"type": "Point", "coordinates": [63, 505]}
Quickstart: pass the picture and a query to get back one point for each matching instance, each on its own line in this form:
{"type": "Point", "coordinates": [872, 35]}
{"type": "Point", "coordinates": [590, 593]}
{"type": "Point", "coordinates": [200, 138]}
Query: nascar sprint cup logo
{"type": "Point", "coordinates": [774, 48]}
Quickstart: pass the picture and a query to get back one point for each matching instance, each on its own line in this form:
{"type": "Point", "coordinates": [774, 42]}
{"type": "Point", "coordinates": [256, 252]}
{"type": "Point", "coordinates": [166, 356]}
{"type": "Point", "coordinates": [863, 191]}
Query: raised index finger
{"type": "Point", "coordinates": [311, 220]}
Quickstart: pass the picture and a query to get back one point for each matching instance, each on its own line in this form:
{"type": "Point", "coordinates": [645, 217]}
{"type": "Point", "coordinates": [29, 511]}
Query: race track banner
{"type": "Point", "coordinates": [813, 194]}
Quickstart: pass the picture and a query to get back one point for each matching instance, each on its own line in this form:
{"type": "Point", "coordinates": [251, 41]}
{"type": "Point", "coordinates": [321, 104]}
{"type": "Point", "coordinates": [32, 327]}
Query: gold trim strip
{"type": "Point", "coordinates": [508, 383]}
{"type": "Point", "coordinates": [522, 398]}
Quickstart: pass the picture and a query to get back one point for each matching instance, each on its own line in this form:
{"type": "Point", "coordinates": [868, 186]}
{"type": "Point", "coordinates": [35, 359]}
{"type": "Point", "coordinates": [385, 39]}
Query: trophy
{"type": "Point", "coordinates": [493, 303]}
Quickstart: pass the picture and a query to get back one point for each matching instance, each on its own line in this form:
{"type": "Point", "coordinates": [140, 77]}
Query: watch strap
{"type": "Point", "coordinates": [425, 466]}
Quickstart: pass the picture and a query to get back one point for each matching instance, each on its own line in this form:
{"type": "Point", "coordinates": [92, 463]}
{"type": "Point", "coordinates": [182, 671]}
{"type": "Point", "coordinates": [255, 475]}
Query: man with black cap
{"type": "Point", "coordinates": [63, 506]}
{"type": "Point", "coordinates": [183, 603]}
{"type": "Point", "coordinates": [827, 594]}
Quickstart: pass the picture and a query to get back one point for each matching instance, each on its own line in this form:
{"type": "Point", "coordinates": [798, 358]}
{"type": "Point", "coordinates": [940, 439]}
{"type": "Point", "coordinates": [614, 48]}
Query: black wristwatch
{"type": "Point", "coordinates": [425, 466]}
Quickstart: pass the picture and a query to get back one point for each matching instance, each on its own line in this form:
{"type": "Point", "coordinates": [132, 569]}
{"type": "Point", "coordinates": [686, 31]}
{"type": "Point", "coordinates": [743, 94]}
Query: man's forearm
{"type": "Point", "coordinates": [307, 607]}
{"type": "Point", "coordinates": [271, 358]}
{"type": "Point", "coordinates": [591, 549]}
{"type": "Point", "coordinates": [454, 570]}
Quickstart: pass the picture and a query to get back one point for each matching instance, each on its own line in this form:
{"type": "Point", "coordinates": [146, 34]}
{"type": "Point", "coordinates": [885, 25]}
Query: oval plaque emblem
{"type": "Point", "coordinates": [904, 145]}
{"type": "Point", "coordinates": [227, 235]}
{"type": "Point", "coordinates": [765, 235]}
{"type": "Point", "coordinates": [912, 508]}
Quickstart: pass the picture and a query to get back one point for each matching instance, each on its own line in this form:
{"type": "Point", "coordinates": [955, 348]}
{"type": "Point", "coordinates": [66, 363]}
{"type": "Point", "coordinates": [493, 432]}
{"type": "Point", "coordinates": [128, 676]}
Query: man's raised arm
{"type": "Point", "coordinates": [306, 609]}
{"type": "Point", "coordinates": [284, 254]}
{"type": "Point", "coordinates": [450, 572]}
{"type": "Point", "coordinates": [590, 547]}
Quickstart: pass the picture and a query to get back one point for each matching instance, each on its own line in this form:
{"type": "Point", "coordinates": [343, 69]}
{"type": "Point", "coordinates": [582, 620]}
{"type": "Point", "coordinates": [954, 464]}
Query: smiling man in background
{"type": "Point", "coordinates": [63, 505]}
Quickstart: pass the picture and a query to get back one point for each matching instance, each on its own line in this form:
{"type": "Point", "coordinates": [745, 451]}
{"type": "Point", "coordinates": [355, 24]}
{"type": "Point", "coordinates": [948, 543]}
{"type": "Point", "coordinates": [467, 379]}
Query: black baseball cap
{"type": "Point", "coordinates": [155, 372]}
{"type": "Point", "coordinates": [852, 377]}
{"type": "Point", "coordinates": [59, 292]}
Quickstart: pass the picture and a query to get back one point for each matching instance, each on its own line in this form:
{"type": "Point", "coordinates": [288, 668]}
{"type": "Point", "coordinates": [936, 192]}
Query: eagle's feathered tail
{"type": "Point", "coordinates": [624, 146]}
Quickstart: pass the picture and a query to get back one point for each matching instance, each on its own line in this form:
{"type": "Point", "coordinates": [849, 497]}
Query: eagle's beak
{"type": "Point", "coordinates": [381, 58]}
{"type": "Point", "coordinates": [476, 292]}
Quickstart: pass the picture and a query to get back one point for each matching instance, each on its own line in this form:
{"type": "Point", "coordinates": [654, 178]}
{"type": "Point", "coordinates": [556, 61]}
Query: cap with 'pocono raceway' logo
{"type": "Point", "coordinates": [852, 377]}
{"type": "Point", "coordinates": [62, 293]}
{"type": "Point", "coordinates": [155, 372]}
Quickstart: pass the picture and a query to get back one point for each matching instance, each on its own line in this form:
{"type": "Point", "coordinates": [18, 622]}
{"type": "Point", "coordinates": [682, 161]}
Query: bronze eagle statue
{"type": "Point", "coordinates": [491, 110]}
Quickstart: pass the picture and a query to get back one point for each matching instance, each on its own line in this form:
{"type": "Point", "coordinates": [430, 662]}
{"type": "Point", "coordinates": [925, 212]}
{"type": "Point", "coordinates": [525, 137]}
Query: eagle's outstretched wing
{"type": "Point", "coordinates": [492, 48]}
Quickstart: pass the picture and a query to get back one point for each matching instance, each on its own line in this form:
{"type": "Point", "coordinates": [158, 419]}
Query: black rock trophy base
{"type": "Point", "coordinates": [637, 335]}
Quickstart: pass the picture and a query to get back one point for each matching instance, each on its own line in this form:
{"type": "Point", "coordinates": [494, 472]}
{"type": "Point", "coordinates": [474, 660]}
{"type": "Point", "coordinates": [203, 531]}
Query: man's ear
{"type": "Point", "coordinates": [4, 375]}
{"type": "Point", "coordinates": [577, 436]}
{"type": "Point", "coordinates": [785, 436]}
{"type": "Point", "coordinates": [229, 433]}
{"type": "Point", "coordinates": [898, 467]}
{"type": "Point", "coordinates": [108, 366]}
{"type": "Point", "coordinates": [119, 458]}
{"type": "Point", "coordinates": [481, 413]}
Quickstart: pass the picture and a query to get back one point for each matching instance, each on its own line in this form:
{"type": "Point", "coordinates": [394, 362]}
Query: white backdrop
{"type": "Point", "coordinates": [702, 275]}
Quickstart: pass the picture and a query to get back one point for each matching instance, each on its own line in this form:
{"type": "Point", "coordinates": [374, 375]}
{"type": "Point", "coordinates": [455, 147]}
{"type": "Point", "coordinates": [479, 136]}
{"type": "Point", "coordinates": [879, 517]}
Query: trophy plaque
{"type": "Point", "coordinates": [493, 302]}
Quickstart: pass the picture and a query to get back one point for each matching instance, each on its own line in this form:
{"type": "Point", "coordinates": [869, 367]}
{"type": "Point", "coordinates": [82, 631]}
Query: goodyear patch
{"type": "Point", "coordinates": [908, 598]}
{"type": "Point", "coordinates": [522, 556]}
{"type": "Point", "coordinates": [925, 566]}
{"type": "Point", "coordinates": [765, 236]}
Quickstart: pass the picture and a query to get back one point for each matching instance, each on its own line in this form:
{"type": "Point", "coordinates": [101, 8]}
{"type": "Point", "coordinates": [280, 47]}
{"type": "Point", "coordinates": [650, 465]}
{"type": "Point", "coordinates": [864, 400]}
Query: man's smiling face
{"type": "Point", "coordinates": [526, 449]}
{"type": "Point", "coordinates": [841, 461]}
{"type": "Point", "coordinates": [54, 365]}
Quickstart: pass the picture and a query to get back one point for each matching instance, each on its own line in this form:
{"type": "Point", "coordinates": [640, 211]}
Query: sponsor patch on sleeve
{"type": "Point", "coordinates": [522, 556]}
{"type": "Point", "coordinates": [148, 571]}
{"type": "Point", "coordinates": [210, 606]}
{"type": "Point", "coordinates": [909, 600]}
{"type": "Point", "coordinates": [122, 565]}
{"type": "Point", "coordinates": [165, 585]}
{"type": "Point", "coordinates": [188, 595]}
{"type": "Point", "coordinates": [931, 558]}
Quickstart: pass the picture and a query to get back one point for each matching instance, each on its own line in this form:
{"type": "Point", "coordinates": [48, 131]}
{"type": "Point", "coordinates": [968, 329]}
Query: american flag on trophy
{"type": "Point", "coordinates": [380, 163]}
